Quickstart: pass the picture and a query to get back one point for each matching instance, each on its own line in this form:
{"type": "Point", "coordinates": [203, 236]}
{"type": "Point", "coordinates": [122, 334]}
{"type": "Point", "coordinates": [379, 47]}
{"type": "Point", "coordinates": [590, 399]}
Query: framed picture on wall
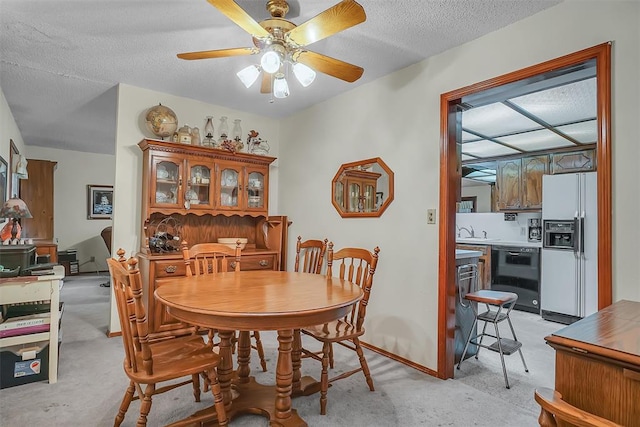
{"type": "Point", "coordinates": [4, 173]}
{"type": "Point", "coordinates": [99, 201]}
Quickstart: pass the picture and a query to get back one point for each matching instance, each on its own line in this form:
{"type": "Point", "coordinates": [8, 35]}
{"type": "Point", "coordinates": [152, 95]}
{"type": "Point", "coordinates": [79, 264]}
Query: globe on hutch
{"type": "Point", "coordinates": [161, 121]}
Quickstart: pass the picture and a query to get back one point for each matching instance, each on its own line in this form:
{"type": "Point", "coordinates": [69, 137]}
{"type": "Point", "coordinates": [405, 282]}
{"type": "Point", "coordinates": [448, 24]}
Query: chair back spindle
{"type": "Point", "coordinates": [127, 287]}
{"type": "Point", "coordinates": [210, 258]}
{"type": "Point", "coordinates": [311, 253]}
{"type": "Point", "coordinates": [358, 266]}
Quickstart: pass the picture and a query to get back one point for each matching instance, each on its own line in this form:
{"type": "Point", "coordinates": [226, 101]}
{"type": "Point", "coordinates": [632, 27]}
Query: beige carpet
{"type": "Point", "coordinates": [91, 382]}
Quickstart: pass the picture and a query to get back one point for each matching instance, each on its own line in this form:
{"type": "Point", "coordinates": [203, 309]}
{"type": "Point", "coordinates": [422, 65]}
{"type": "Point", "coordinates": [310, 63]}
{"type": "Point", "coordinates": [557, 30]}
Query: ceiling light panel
{"type": "Point", "coordinates": [464, 157]}
{"type": "Point", "coordinates": [496, 119]}
{"type": "Point", "coordinates": [562, 104]}
{"type": "Point", "coordinates": [585, 132]}
{"type": "Point", "coordinates": [486, 148]}
{"type": "Point", "coordinates": [537, 140]}
{"type": "Point", "coordinates": [466, 137]}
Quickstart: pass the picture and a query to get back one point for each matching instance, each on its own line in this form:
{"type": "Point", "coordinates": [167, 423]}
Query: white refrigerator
{"type": "Point", "coordinates": [569, 276]}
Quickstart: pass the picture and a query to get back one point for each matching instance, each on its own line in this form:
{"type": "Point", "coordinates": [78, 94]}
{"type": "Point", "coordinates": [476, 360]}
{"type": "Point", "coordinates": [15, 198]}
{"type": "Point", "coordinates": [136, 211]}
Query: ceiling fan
{"type": "Point", "coordinates": [282, 42]}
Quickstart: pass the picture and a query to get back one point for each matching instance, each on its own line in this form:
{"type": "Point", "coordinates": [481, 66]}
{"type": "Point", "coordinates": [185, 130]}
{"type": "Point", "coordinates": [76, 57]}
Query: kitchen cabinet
{"type": "Point", "coordinates": [573, 161]}
{"type": "Point", "coordinates": [199, 194]}
{"type": "Point", "coordinates": [484, 263]}
{"type": "Point", "coordinates": [519, 182]}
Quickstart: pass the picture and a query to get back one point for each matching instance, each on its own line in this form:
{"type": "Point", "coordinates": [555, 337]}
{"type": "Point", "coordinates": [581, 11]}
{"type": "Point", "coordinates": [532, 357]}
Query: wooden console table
{"type": "Point", "coordinates": [598, 363]}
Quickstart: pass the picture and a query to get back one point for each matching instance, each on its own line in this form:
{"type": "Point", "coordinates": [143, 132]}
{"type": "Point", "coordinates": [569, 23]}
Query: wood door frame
{"type": "Point", "coordinates": [450, 179]}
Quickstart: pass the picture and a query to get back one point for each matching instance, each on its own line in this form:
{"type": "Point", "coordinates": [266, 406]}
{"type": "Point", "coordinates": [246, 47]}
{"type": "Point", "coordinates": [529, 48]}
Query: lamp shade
{"type": "Point", "coordinates": [271, 61]}
{"type": "Point", "coordinates": [280, 87]}
{"type": "Point", "coordinates": [248, 75]}
{"type": "Point", "coordinates": [304, 74]}
{"type": "Point", "coordinates": [15, 208]}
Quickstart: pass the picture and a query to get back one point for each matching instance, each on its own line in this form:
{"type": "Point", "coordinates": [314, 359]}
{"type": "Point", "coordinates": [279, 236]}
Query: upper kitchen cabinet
{"type": "Point", "coordinates": [574, 161]}
{"type": "Point", "coordinates": [519, 182]}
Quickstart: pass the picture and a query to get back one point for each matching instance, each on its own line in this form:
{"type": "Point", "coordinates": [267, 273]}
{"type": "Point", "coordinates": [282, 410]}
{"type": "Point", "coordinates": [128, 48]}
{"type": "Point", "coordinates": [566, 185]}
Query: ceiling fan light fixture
{"type": "Point", "coordinates": [304, 74]}
{"type": "Point", "coordinates": [249, 75]}
{"type": "Point", "coordinates": [280, 86]}
{"type": "Point", "coordinates": [272, 59]}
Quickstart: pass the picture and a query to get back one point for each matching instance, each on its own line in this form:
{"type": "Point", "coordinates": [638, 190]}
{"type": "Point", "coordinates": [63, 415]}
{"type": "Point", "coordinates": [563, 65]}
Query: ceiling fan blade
{"type": "Point", "coordinates": [266, 83]}
{"type": "Point", "coordinates": [238, 15]}
{"type": "Point", "coordinates": [338, 18]}
{"type": "Point", "coordinates": [331, 66]}
{"type": "Point", "coordinates": [221, 53]}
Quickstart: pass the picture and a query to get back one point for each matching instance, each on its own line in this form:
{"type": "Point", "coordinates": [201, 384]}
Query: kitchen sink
{"type": "Point", "coordinates": [475, 240]}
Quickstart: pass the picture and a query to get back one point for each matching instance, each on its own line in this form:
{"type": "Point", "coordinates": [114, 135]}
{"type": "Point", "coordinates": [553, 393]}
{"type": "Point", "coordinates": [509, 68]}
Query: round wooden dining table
{"type": "Point", "coordinates": [258, 301]}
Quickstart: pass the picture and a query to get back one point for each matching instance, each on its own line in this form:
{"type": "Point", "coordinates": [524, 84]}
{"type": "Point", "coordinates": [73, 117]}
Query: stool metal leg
{"type": "Point", "coordinates": [504, 367]}
{"type": "Point", "coordinates": [516, 339]}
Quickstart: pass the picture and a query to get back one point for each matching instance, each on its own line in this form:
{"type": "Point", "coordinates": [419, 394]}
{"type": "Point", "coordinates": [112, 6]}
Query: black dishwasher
{"type": "Point", "coordinates": [517, 269]}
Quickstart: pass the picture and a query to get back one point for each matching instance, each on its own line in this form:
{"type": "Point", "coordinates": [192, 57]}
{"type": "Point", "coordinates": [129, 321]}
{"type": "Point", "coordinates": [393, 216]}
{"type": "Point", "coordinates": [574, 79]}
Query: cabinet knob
{"type": "Point", "coordinates": [263, 263]}
{"type": "Point", "coordinates": [170, 269]}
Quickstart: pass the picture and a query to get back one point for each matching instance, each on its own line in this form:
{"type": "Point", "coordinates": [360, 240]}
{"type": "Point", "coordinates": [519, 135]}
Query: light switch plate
{"type": "Point", "coordinates": [431, 216]}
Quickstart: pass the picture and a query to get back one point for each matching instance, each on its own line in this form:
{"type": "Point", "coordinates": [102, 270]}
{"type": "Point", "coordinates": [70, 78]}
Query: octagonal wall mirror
{"type": "Point", "coordinates": [362, 189]}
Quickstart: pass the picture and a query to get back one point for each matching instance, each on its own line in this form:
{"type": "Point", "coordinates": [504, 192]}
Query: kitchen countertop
{"type": "Point", "coordinates": [498, 242]}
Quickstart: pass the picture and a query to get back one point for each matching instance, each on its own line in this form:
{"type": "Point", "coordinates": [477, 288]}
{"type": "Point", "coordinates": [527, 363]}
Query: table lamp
{"type": "Point", "coordinates": [15, 208]}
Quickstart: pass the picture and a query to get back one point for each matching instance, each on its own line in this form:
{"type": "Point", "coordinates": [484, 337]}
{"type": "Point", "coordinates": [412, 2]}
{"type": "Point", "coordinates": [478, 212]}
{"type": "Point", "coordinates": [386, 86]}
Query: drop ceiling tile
{"type": "Point", "coordinates": [466, 157]}
{"type": "Point", "coordinates": [496, 119]}
{"type": "Point", "coordinates": [562, 104]}
{"type": "Point", "coordinates": [466, 137]}
{"type": "Point", "coordinates": [585, 132]}
{"type": "Point", "coordinates": [536, 140]}
{"type": "Point", "coordinates": [486, 148]}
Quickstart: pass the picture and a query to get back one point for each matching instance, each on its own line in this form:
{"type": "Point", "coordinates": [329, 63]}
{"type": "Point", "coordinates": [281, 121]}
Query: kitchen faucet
{"type": "Point", "coordinates": [471, 232]}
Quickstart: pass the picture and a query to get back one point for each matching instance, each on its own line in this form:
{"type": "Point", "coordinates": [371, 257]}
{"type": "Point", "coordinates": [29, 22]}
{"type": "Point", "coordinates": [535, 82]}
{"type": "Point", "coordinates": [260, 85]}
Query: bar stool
{"type": "Point", "coordinates": [498, 306]}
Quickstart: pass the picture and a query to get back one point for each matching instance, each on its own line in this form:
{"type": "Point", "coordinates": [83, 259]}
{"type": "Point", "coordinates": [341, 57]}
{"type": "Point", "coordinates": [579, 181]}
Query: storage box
{"type": "Point", "coordinates": [12, 256]}
{"type": "Point", "coordinates": [25, 363]}
{"type": "Point", "coordinates": [69, 255]}
{"type": "Point", "coordinates": [71, 268]}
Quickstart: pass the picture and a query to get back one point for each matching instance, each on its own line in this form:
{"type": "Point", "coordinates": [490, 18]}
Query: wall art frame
{"type": "Point", "coordinates": [99, 201]}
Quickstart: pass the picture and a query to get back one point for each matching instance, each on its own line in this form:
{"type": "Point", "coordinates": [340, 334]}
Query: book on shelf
{"type": "Point", "coordinates": [28, 324]}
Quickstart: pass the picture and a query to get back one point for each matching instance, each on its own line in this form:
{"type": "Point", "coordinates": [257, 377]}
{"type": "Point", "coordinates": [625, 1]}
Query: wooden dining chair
{"type": "Point", "coordinates": [358, 266]}
{"type": "Point", "coordinates": [553, 408]}
{"type": "Point", "coordinates": [311, 253]}
{"type": "Point", "coordinates": [212, 258]}
{"type": "Point", "coordinates": [148, 364]}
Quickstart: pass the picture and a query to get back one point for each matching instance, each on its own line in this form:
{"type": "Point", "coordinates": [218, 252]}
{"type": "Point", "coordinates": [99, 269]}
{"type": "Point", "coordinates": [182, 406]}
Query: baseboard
{"type": "Point", "coordinates": [114, 334]}
{"type": "Point", "coordinates": [399, 359]}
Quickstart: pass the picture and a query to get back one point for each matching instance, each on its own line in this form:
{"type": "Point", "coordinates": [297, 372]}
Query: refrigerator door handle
{"type": "Point", "coordinates": [576, 238]}
{"type": "Point", "coordinates": [581, 236]}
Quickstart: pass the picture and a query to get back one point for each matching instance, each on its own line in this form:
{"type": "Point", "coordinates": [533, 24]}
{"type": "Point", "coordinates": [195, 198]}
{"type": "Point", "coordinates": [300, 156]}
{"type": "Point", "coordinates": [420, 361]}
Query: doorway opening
{"type": "Point", "coordinates": [450, 187]}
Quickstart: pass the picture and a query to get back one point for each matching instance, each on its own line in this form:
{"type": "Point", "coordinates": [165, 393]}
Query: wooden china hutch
{"type": "Point", "coordinates": [199, 194]}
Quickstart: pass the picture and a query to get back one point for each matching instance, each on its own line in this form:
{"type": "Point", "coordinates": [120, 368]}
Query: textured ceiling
{"type": "Point", "coordinates": [60, 60]}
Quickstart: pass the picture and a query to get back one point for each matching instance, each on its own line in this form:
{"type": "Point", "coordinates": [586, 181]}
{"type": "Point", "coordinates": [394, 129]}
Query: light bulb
{"type": "Point", "coordinates": [280, 86]}
{"type": "Point", "coordinates": [304, 74]}
{"type": "Point", "coordinates": [270, 62]}
{"type": "Point", "coordinates": [248, 75]}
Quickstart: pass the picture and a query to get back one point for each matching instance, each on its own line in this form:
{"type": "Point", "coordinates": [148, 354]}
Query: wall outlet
{"type": "Point", "coordinates": [431, 216]}
{"type": "Point", "coordinates": [92, 259]}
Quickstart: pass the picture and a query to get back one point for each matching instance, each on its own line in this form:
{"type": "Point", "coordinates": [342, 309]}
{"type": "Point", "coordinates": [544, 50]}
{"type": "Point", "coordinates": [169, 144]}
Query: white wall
{"type": "Point", "coordinates": [8, 131]}
{"type": "Point", "coordinates": [71, 227]}
{"type": "Point", "coordinates": [398, 118]}
{"type": "Point", "coordinates": [133, 103]}
{"type": "Point", "coordinates": [482, 193]}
